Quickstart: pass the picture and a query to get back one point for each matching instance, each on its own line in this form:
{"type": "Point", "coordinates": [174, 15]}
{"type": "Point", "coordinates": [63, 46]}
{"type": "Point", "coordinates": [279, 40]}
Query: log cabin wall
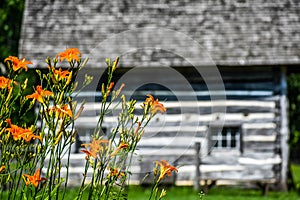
{"type": "Point", "coordinates": [247, 145]}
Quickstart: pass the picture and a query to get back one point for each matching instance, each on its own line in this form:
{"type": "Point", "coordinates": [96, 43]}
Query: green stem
{"type": "Point", "coordinates": [67, 168]}
{"type": "Point", "coordinates": [154, 186]}
{"type": "Point", "coordinates": [81, 189]}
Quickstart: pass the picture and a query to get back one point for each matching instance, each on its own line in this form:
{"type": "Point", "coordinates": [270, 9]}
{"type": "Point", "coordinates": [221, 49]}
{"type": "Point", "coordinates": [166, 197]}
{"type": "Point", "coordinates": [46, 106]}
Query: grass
{"type": "Point", "coordinates": [296, 175]}
{"type": "Point", "coordinates": [217, 193]}
{"type": "Point", "coordinates": [220, 193]}
{"type": "Point", "coordinates": [187, 193]}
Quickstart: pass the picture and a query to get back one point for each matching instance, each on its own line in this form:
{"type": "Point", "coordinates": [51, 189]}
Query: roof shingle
{"type": "Point", "coordinates": [232, 32]}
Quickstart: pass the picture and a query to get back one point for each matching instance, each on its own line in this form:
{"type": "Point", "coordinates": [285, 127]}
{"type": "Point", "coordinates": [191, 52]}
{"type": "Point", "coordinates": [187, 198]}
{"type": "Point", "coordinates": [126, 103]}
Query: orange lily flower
{"type": "Point", "coordinates": [122, 145]}
{"type": "Point", "coordinates": [149, 98]}
{"type": "Point", "coordinates": [113, 172]}
{"type": "Point", "coordinates": [34, 180]}
{"type": "Point", "coordinates": [136, 132]}
{"type": "Point", "coordinates": [2, 168]}
{"type": "Point", "coordinates": [20, 133]}
{"type": "Point", "coordinates": [27, 135]}
{"type": "Point", "coordinates": [120, 89]}
{"type": "Point", "coordinates": [62, 111]}
{"type": "Point", "coordinates": [5, 82]}
{"type": "Point", "coordinates": [95, 147]}
{"type": "Point", "coordinates": [60, 73]}
{"type": "Point", "coordinates": [110, 87]}
{"type": "Point", "coordinates": [39, 94]}
{"type": "Point", "coordinates": [17, 63]}
{"type": "Point", "coordinates": [154, 105]}
{"type": "Point", "coordinates": [69, 54]}
{"type": "Point", "coordinates": [165, 169]}
{"type": "Point", "coordinates": [89, 153]}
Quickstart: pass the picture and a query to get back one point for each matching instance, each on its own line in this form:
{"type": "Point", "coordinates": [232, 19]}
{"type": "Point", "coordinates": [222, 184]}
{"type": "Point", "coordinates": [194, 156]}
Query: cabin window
{"type": "Point", "coordinates": [229, 137]}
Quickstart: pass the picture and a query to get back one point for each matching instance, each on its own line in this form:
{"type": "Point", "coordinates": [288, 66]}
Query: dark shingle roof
{"type": "Point", "coordinates": [232, 32]}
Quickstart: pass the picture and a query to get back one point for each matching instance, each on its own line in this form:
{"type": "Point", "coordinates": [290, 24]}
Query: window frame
{"type": "Point", "coordinates": [219, 128]}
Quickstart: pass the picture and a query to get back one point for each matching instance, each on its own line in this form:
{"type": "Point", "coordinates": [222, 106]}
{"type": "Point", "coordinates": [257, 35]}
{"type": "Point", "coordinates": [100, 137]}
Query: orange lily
{"type": "Point", "coordinates": [17, 63]}
{"type": "Point", "coordinates": [20, 133]}
{"type": "Point", "coordinates": [2, 168]}
{"type": "Point", "coordinates": [113, 172]}
{"type": "Point", "coordinates": [165, 169]}
{"type": "Point", "coordinates": [154, 105]}
{"type": "Point", "coordinates": [34, 180]}
{"type": "Point", "coordinates": [149, 98]}
{"type": "Point", "coordinates": [95, 147]}
{"type": "Point", "coordinates": [69, 54]}
{"type": "Point", "coordinates": [136, 135]}
{"type": "Point", "coordinates": [5, 82]}
{"type": "Point", "coordinates": [120, 89]}
{"type": "Point", "coordinates": [62, 111]}
{"type": "Point", "coordinates": [39, 94]}
{"type": "Point", "coordinates": [110, 87]}
{"type": "Point", "coordinates": [122, 145]}
{"type": "Point", "coordinates": [27, 135]}
{"type": "Point", "coordinates": [60, 73]}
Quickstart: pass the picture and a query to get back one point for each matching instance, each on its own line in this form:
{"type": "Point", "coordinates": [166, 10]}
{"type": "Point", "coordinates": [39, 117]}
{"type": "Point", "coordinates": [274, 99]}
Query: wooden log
{"type": "Point", "coordinates": [179, 120]}
{"type": "Point", "coordinates": [284, 130]}
{"type": "Point", "coordinates": [197, 164]}
{"type": "Point", "coordinates": [268, 103]}
{"type": "Point", "coordinates": [260, 146]}
{"type": "Point", "coordinates": [251, 161]}
{"type": "Point", "coordinates": [259, 138]}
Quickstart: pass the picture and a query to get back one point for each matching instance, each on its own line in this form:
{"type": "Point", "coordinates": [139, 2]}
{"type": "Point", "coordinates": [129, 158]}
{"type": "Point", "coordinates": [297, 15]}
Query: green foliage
{"type": "Point", "coordinates": [26, 151]}
{"type": "Point", "coordinates": [296, 176]}
{"type": "Point", "coordinates": [294, 107]}
{"type": "Point", "coordinates": [11, 13]}
{"type": "Point", "coordinates": [18, 114]}
{"type": "Point", "coordinates": [31, 157]}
